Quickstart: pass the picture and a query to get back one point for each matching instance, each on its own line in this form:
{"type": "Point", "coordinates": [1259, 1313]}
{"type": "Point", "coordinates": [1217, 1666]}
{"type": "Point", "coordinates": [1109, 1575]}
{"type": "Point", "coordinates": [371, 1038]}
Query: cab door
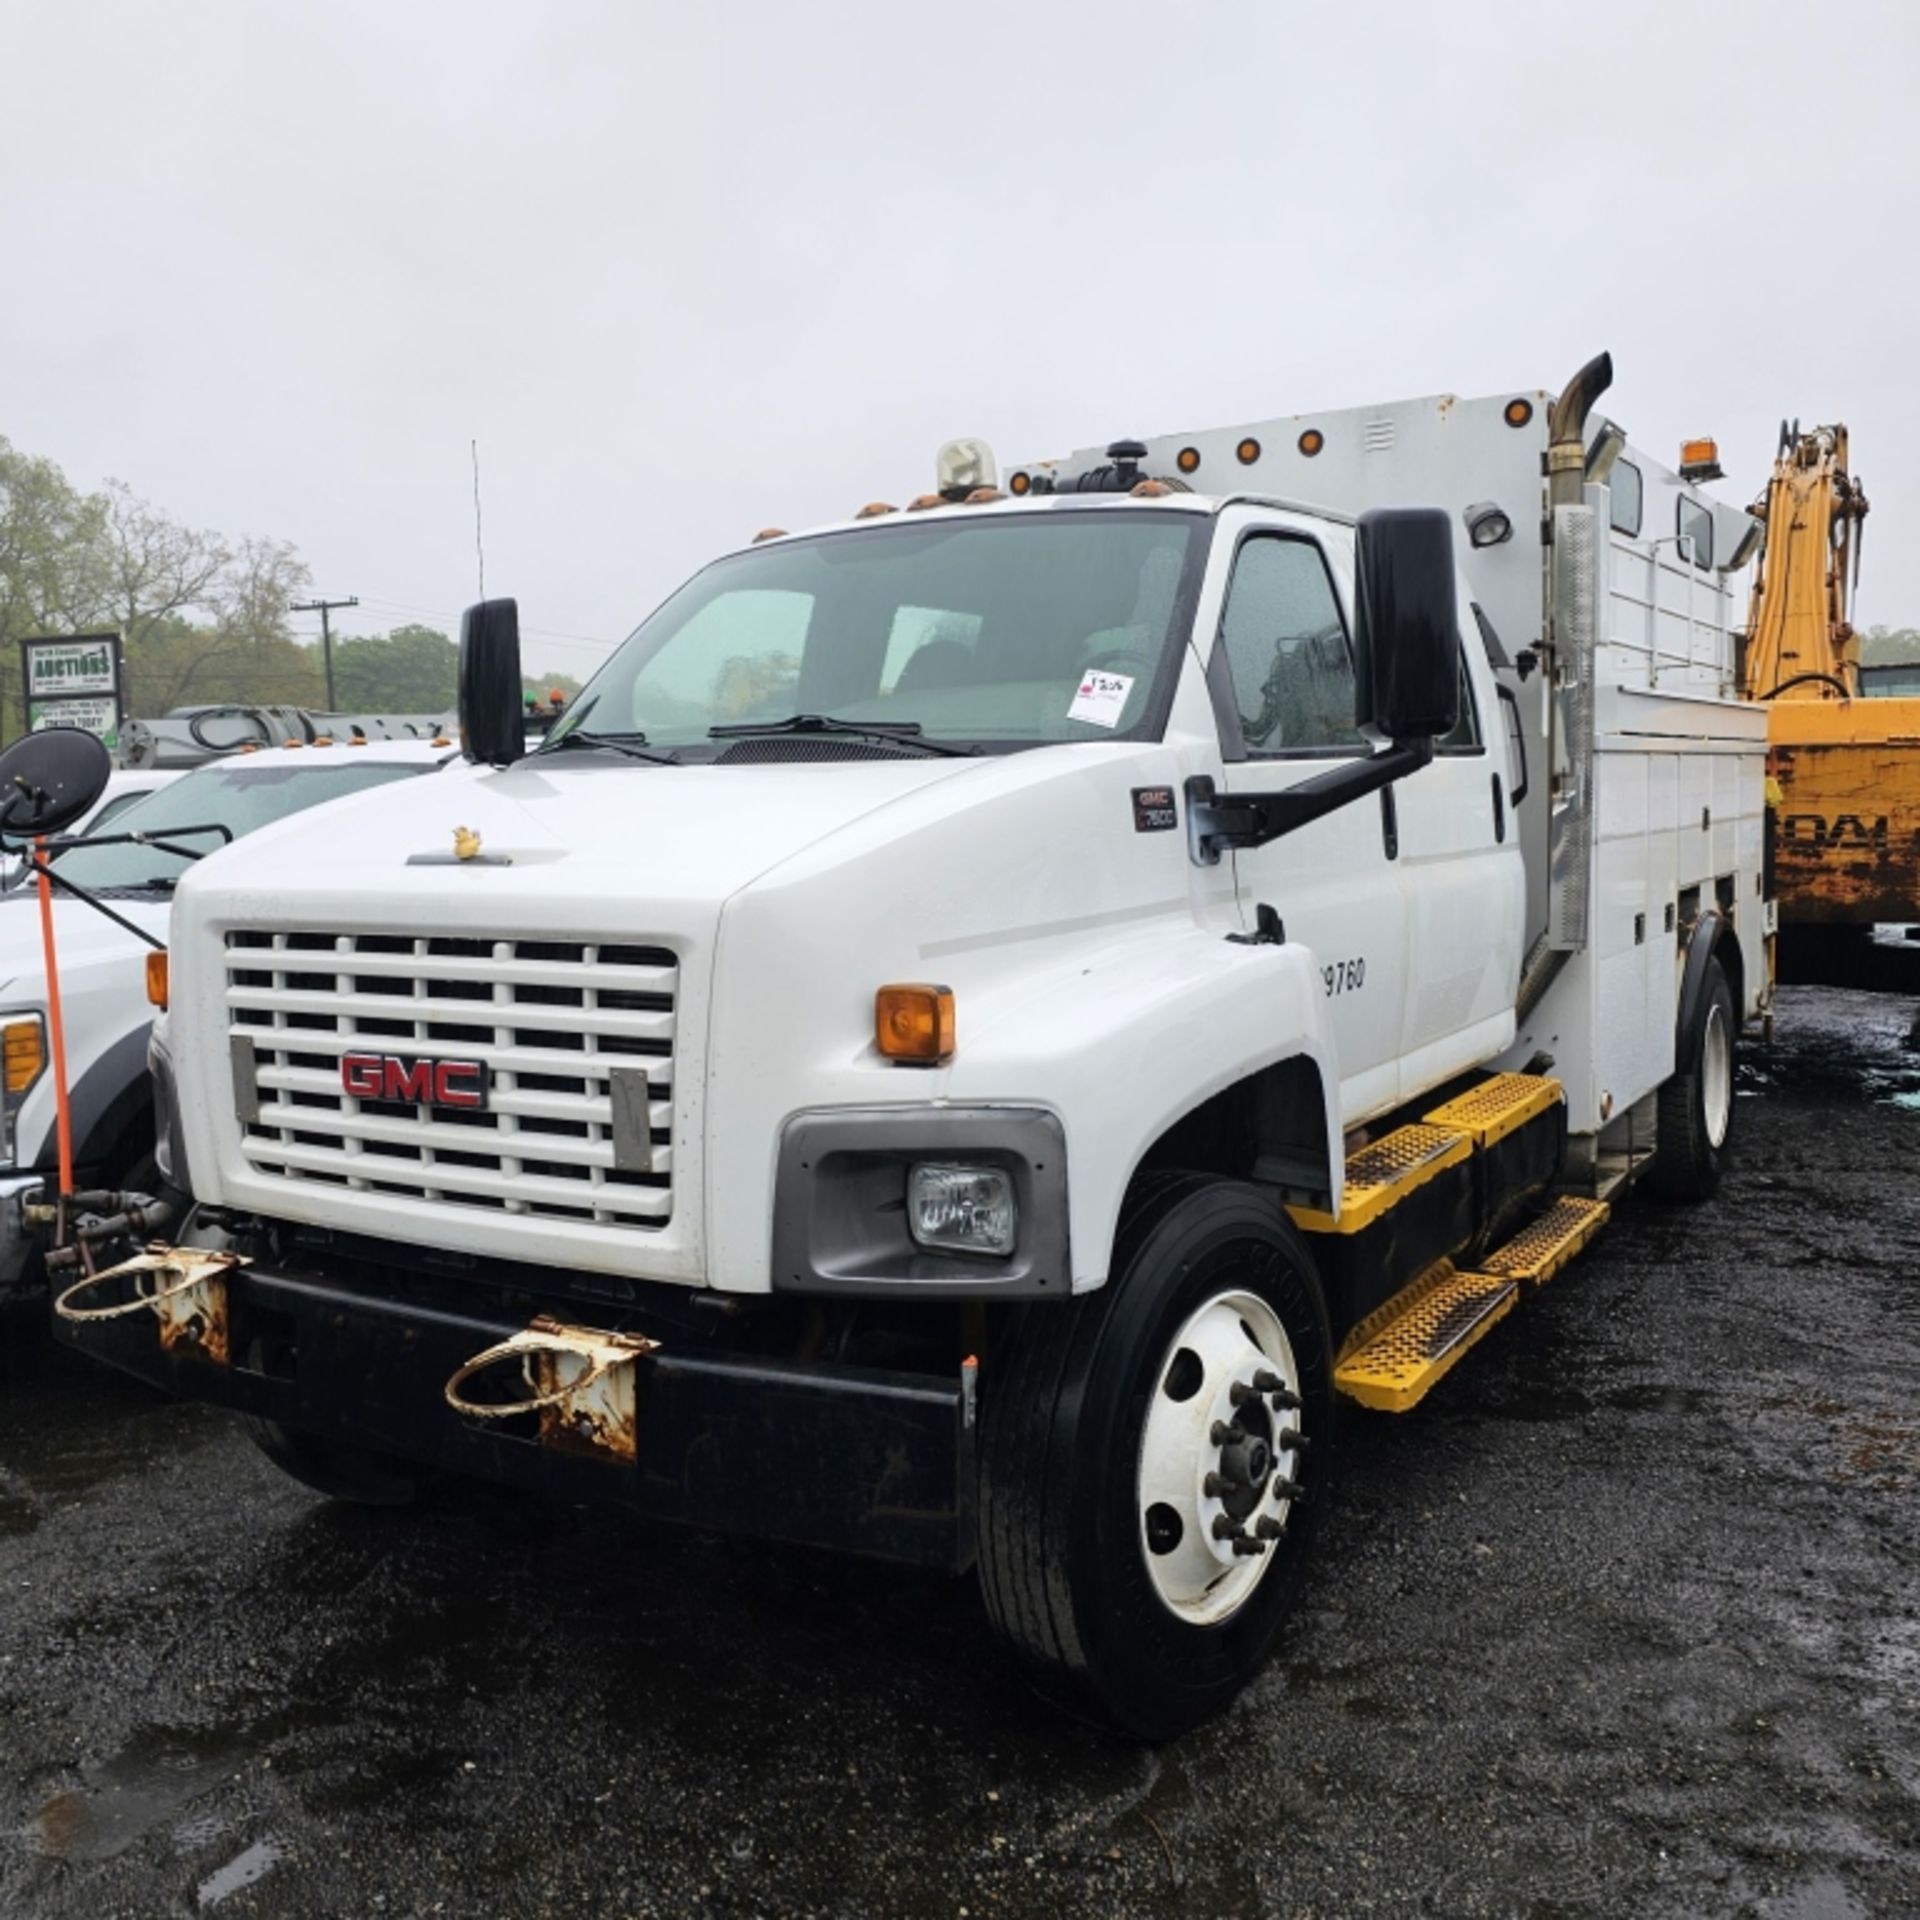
{"type": "Point", "coordinates": [1464, 877]}
{"type": "Point", "coordinates": [1281, 673]}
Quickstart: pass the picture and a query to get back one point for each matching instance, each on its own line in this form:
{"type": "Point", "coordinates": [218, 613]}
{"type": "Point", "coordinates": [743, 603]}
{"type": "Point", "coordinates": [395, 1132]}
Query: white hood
{"type": "Point", "coordinates": [572, 832]}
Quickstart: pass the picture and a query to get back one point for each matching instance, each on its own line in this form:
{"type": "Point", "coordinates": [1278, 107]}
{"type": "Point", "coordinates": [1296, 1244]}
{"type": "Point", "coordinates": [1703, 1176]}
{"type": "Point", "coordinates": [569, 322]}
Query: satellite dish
{"type": "Point", "coordinates": [48, 780]}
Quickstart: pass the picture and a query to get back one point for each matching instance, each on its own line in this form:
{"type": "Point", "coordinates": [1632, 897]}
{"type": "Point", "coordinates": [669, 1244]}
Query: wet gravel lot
{"type": "Point", "coordinates": [1625, 1619]}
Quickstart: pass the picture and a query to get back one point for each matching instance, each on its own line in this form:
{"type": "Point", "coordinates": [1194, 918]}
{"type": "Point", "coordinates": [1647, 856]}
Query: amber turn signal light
{"type": "Point", "coordinates": [26, 1054]}
{"type": "Point", "coordinates": [157, 978]}
{"type": "Point", "coordinates": [914, 1023]}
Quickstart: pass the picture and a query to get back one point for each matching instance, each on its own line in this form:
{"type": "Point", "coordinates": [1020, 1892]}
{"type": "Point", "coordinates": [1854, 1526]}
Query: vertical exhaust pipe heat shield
{"type": "Point", "coordinates": [1576, 617]}
{"type": "Point", "coordinates": [1573, 627]}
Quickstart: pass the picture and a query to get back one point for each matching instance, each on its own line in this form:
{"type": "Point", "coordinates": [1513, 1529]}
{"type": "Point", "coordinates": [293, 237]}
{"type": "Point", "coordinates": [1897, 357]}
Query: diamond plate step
{"type": "Point", "coordinates": [1400, 1353]}
{"type": "Point", "coordinates": [1383, 1174]}
{"type": "Point", "coordinates": [1536, 1253]}
{"type": "Point", "coordinates": [1497, 1106]}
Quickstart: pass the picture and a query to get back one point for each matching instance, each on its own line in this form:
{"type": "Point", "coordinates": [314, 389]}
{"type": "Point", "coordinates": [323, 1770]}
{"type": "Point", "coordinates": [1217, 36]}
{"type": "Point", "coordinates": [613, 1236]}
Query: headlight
{"type": "Point", "coordinates": [23, 1059]}
{"type": "Point", "coordinates": [962, 1209]}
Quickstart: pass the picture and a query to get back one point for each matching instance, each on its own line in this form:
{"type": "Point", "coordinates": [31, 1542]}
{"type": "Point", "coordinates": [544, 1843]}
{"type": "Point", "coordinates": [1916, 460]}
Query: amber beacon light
{"type": "Point", "coordinates": [914, 1023]}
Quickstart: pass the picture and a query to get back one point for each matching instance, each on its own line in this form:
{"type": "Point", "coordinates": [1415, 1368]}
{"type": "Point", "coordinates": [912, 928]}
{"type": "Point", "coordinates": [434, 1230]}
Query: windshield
{"type": "Point", "coordinates": [230, 793]}
{"type": "Point", "coordinates": [1013, 630]}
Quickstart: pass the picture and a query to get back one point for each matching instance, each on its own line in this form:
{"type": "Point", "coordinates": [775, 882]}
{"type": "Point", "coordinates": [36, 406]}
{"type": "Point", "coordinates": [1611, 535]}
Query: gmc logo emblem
{"type": "Point", "coordinates": [430, 1083]}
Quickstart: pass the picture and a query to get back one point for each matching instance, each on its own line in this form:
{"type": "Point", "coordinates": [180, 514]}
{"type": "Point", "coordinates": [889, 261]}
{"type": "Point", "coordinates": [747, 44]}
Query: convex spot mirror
{"type": "Point", "coordinates": [1406, 632]}
{"type": "Point", "coordinates": [493, 720]}
{"type": "Point", "coordinates": [49, 780]}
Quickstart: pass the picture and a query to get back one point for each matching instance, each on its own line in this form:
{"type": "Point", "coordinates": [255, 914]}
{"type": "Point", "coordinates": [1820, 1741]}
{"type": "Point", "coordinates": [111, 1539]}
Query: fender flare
{"type": "Point", "coordinates": [1132, 1044]}
{"type": "Point", "coordinates": [110, 1093]}
{"type": "Point", "coordinates": [1710, 927]}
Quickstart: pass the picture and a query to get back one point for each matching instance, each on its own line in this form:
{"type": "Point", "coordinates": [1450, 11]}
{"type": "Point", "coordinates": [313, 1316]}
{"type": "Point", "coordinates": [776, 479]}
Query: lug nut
{"type": "Point", "coordinates": [1243, 1395]}
{"type": "Point", "coordinates": [1285, 1402]}
{"type": "Point", "coordinates": [1292, 1440]}
{"type": "Point", "coordinates": [1226, 1527]}
{"type": "Point", "coordinates": [1244, 1545]}
{"type": "Point", "coordinates": [1268, 1528]}
{"type": "Point", "coordinates": [1287, 1490]}
{"type": "Point", "coordinates": [1223, 1433]}
{"type": "Point", "coordinates": [1216, 1486]}
{"type": "Point", "coordinates": [1267, 1381]}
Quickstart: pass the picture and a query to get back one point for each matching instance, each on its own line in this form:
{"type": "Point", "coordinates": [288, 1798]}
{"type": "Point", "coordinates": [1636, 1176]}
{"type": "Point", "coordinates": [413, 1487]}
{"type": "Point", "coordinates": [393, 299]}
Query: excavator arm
{"type": "Point", "coordinates": [1799, 638]}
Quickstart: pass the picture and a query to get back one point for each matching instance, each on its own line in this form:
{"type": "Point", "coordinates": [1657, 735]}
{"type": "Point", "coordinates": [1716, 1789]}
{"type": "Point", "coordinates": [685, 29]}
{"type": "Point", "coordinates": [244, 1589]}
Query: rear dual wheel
{"type": "Point", "coordinates": [1696, 1104]}
{"type": "Point", "coordinates": [1155, 1461]}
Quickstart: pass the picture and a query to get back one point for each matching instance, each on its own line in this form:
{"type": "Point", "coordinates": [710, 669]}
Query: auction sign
{"type": "Point", "coordinates": [74, 680]}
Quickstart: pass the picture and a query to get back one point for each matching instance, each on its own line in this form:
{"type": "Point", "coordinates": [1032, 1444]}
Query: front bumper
{"type": "Point", "coordinates": [857, 1459]}
{"type": "Point", "coordinates": [20, 1269]}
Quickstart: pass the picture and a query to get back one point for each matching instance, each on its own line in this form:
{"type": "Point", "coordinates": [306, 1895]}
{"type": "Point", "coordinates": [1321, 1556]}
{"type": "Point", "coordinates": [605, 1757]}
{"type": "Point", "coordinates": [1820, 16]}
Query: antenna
{"type": "Point", "coordinates": [479, 545]}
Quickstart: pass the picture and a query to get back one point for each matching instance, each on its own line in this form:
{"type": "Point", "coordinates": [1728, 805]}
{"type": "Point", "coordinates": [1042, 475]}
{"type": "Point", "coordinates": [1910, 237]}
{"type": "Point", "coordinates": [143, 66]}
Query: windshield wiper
{"type": "Point", "coordinates": [633, 745]}
{"type": "Point", "coordinates": [892, 733]}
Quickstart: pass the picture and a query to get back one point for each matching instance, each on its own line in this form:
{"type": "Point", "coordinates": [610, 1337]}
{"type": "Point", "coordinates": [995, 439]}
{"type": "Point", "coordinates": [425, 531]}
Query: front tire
{"type": "Point", "coordinates": [1137, 1540]}
{"type": "Point", "coordinates": [1696, 1105]}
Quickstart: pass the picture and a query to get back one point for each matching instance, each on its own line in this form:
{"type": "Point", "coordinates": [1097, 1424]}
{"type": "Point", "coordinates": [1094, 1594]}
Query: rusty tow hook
{"type": "Point", "coordinates": [580, 1380]}
{"type": "Point", "coordinates": [184, 1288]}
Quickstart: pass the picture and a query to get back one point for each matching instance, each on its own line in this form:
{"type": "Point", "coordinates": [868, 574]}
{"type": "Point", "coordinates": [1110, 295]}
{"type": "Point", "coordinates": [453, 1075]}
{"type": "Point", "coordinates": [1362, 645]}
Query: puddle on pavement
{"type": "Point", "coordinates": [253, 1863]}
{"type": "Point", "coordinates": [1867, 1053]}
{"type": "Point", "coordinates": [133, 1792]}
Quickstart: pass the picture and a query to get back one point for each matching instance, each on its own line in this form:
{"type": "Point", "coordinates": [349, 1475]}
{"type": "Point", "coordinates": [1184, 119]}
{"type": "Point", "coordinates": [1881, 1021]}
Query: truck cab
{"type": "Point", "coordinates": [980, 1023]}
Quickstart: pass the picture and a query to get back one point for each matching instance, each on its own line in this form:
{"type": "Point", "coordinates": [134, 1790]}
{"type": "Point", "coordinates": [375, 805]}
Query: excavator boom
{"type": "Point", "coordinates": [1845, 771]}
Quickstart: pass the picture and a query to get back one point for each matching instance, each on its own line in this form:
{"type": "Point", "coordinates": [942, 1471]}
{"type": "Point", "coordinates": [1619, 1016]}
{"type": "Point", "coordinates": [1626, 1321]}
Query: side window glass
{"type": "Point", "coordinates": [1287, 649]}
{"type": "Point", "coordinates": [1465, 737]}
{"type": "Point", "coordinates": [1626, 494]}
{"type": "Point", "coordinates": [1695, 524]}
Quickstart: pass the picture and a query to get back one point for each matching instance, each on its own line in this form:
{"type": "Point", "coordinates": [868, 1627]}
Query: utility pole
{"type": "Point", "coordinates": [323, 608]}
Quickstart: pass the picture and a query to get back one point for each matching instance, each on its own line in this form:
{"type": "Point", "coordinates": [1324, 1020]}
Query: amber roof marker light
{"type": "Point", "coordinates": [1188, 459]}
{"type": "Point", "coordinates": [1518, 412]}
{"type": "Point", "coordinates": [1312, 441]}
{"type": "Point", "coordinates": [1248, 451]}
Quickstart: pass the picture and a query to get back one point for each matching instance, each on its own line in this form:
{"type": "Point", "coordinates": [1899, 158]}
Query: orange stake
{"type": "Point", "coordinates": [63, 1110]}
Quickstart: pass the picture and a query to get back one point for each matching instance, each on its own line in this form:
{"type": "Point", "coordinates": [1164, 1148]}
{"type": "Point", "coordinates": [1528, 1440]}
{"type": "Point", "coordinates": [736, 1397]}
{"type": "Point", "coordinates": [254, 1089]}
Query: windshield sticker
{"type": "Point", "coordinates": [1100, 698]}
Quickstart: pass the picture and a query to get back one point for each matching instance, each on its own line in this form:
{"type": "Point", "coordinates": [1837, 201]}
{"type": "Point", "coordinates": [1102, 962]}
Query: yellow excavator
{"type": "Point", "coordinates": [1845, 771]}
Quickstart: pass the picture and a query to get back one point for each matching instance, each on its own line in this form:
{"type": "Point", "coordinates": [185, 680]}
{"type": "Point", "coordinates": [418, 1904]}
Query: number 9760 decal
{"type": "Point", "coordinates": [1345, 976]}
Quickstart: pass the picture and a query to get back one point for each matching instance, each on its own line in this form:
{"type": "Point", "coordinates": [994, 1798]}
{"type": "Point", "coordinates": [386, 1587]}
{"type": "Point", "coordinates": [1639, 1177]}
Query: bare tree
{"type": "Point", "coordinates": [152, 565]}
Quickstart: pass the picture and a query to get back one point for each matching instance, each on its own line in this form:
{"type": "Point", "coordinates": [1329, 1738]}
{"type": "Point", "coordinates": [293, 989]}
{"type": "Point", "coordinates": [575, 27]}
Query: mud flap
{"type": "Point", "coordinates": [184, 1288]}
{"type": "Point", "coordinates": [579, 1380]}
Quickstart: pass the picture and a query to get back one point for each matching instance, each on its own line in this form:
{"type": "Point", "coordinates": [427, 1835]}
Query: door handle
{"type": "Point", "coordinates": [1512, 699]}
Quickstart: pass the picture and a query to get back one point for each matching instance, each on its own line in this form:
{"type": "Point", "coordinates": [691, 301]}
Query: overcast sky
{"type": "Point", "coordinates": [684, 271]}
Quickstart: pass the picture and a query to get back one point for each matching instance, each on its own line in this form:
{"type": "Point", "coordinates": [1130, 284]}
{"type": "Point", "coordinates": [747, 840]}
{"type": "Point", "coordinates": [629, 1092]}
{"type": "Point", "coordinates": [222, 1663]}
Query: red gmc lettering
{"type": "Point", "coordinates": [409, 1082]}
{"type": "Point", "coordinates": [361, 1075]}
{"type": "Point", "coordinates": [437, 1083]}
{"type": "Point", "coordinates": [456, 1083]}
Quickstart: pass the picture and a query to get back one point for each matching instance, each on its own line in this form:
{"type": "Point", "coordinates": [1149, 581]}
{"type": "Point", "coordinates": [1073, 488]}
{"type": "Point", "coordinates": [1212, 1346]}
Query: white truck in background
{"type": "Point", "coordinates": [985, 1021]}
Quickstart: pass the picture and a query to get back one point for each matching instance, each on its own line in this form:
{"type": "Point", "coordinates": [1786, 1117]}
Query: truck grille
{"type": "Point", "coordinates": [577, 1038]}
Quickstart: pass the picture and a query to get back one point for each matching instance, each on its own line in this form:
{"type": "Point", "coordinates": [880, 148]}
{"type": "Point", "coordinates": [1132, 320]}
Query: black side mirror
{"type": "Point", "coordinates": [493, 720]}
{"type": "Point", "coordinates": [49, 779]}
{"type": "Point", "coordinates": [1406, 631]}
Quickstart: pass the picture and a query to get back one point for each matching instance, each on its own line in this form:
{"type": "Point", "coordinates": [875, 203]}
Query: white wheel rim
{"type": "Point", "coordinates": [1716, 1076]}
{"type": "Point", "coordinates": [1192, 1562]}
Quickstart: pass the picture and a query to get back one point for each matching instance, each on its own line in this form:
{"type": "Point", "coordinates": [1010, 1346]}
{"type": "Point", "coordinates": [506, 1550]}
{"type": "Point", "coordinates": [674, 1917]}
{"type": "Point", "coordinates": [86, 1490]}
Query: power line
{"type": "Point", "coordinates": [323, 608]}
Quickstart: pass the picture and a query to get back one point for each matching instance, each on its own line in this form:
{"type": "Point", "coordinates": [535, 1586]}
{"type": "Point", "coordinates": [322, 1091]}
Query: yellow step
{"type": "Point", "coordinates": [1536, 1253]}
{"type": "Point", "coordinates": [1397, 1355]}
{"type": "Point", "coordinates": [1383, 1174]}
{"type": "Point", "coordinates": [1499, 1104]}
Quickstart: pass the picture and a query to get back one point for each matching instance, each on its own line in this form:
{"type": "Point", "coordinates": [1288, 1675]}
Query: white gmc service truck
{"type": "Point", "coordinates": [987, 1019]}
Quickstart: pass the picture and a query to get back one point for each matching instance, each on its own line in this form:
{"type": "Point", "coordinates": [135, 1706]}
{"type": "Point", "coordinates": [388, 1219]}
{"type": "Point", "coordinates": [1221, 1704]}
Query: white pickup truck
{"type": "Point", "coordinates": [102, 962]}
{"type": "Point", "coordinates": [986, 1021]}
